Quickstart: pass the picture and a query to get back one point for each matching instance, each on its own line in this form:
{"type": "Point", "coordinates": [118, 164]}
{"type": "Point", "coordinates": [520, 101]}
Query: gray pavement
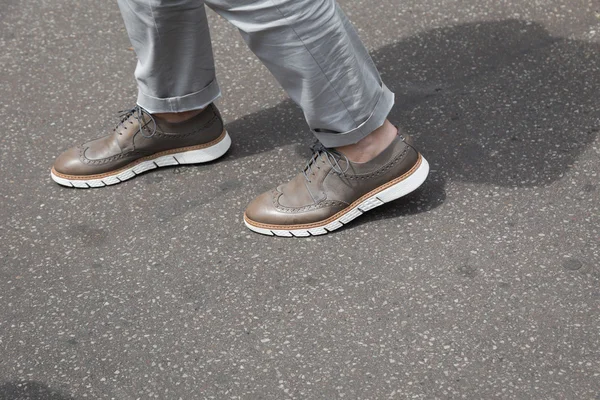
{"type": "Point", "coordinates": [483, 284]}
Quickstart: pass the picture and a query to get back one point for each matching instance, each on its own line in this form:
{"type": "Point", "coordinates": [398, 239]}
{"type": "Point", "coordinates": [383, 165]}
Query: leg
{"type": "Point", "coordinates": [175, 70]}
{"type": "Point", "coordinates": [314, 52]}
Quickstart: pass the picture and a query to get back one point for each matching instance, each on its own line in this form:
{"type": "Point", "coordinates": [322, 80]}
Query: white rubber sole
{"type": "Point", "coordinates": [400, 189]}
{"type": "Point", "coordinates": [185, 157]}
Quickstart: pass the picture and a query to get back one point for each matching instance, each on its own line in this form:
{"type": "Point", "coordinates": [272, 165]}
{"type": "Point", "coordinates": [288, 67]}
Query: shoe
{"type": "Point", "coordinates": [139, 143]}
{"type": "Point", "coordinates": [331, 191]}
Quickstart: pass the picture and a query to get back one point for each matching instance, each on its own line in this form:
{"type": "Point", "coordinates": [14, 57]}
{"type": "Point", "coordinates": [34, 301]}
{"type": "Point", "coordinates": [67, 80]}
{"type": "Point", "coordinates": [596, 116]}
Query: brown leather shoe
{"type": "Point", "coordinates": [332, 191]}
{"type": "Point", "coordinates": [140, 143]}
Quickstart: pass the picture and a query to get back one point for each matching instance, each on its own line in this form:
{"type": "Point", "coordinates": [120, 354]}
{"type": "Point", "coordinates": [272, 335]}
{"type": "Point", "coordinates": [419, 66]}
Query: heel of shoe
{"type": "Point", "coordinates": [406, 186]}
{"type": "Point", "coordinates": [204, 155]}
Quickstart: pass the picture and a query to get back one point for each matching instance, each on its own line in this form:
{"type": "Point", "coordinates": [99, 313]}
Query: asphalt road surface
{"type": "Point", "coordinates": [485, 283]}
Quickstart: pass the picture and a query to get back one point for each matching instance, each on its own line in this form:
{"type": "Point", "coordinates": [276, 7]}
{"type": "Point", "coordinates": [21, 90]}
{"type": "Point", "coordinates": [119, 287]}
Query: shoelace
{"type": "Point", "coordinates": [332, 156]}
{"type": "Point", "coordinates": [138, 113]}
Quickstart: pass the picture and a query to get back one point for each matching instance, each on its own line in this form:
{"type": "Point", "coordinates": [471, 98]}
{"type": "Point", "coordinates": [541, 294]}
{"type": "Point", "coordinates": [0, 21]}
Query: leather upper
{"type": "Point", "coordinates": [135, 137]}
{"type": "Point", "coordinates": [325, 190]}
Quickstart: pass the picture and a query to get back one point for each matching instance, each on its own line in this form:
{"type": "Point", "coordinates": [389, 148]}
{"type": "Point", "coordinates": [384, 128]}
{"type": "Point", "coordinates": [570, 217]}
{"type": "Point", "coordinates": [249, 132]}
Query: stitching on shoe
{"type": "Point", "coordinates": [139, 160]}
{"type": "Point", "coordinates": [341, 213]}
{"type": "Point", "coordinates": [101, 161]}
{"type": "Point", "coordinates": [383, 169]}
{"type": "Point", "coordinates": [119, 156]}
{"type": "Point", "coordinates": [178, 135]}
{"type": "Point", "coordinates": [275, 195]}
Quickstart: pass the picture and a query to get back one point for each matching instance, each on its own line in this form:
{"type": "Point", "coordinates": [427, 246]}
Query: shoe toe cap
{"type": "Point", "coordinates": [69, 162]}
{"type": "Point", "coordinates": [265, 211]}
{"type": "Point", "coordinates": [262, 210]}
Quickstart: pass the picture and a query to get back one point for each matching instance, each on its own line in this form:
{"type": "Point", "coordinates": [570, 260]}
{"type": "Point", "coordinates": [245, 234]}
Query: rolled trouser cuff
{"type": "Point", "coordinates": [192, 101]}
{"type": "Point", "coordinates": [376, 119]}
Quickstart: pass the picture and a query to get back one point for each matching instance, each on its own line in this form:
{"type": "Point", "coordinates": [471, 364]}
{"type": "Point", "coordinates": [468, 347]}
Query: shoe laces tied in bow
{"type": "Point", "coordinates": [138, 113]}
{"type": "Point", "coordinates": [333, 157]}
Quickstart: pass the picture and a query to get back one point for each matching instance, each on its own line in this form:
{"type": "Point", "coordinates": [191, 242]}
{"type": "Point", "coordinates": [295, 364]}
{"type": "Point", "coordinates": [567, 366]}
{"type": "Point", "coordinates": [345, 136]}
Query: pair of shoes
{"type": "Point", "coordinates": [330, 191]}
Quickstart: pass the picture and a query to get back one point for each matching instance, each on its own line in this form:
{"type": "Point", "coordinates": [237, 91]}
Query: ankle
{"type": "Point", "coordinates": [178, 116]}
{"type": "Point", "coordinates": [371, 145]}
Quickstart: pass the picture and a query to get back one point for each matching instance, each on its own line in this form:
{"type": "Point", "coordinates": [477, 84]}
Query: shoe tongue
{"type": "Point", "coordinates": [131, 125]}
{"type": "Point", "coordinates": [338, 161]}
{"type": "Point", "coordinates": [127, 130]}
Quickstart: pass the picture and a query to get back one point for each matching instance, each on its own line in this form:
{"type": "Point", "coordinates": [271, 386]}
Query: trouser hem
{"type": "Point", "coordinates": [192, 101]}
{"type": "Point", "coordinates": [375, 120]}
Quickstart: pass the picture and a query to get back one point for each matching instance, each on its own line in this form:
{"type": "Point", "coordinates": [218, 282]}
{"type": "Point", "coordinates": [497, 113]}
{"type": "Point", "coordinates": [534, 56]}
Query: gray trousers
{"type": "Point", "coordinates": [310, 47]}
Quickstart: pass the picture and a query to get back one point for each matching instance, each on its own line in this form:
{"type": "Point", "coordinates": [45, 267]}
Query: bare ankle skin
{"type": "Point", "coordinates": [179, 116]}
{"type": "Point", "coordinates": [370, 146]}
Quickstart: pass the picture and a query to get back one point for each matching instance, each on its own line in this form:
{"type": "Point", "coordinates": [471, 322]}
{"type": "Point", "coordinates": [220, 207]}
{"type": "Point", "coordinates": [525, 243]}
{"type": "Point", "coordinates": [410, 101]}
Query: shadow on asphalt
{"type": "Point", "coordinates": [502, 103]}
{"type": "Point", "coordinates": [30, 390]}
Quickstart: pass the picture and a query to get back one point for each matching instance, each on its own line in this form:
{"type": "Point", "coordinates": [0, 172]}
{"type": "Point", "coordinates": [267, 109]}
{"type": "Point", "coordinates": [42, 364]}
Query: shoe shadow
{"type": "Point", "coordinates": [30, 390]}
{"type": "Point", "coordinates": [498, 103]}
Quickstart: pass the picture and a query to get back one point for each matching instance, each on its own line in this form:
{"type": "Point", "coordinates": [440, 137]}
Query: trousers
{"type": "Point", "coordinates": [309, 46]}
